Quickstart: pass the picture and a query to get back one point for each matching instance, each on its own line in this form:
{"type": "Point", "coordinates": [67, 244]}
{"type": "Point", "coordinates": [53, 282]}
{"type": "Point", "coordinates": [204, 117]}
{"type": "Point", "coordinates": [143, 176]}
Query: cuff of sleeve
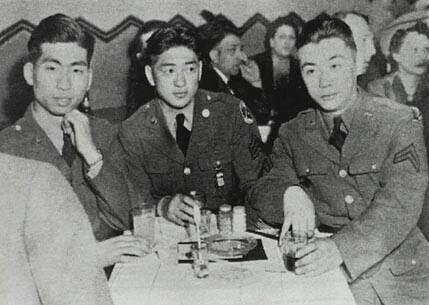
{"type": "Point", "coordinates": [160, 207]}
{"type": "Point", "coordinates": [94, 170]}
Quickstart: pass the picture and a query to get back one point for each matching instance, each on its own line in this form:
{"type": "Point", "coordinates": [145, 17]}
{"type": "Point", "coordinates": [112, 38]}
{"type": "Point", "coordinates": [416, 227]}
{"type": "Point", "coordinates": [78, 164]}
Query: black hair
{"type": "Point", "coordinates": [136, 45]}
{"type": "Point", "coordinates": [214, 31]}
{"type": "Point", "coordinates": [292, 19]}
{"type": "Point", "coordinates": [59, 28]}
{"type": "Point", "coordinates": [168, 37]}
{"type": "Point", "coordinates": [324, 27]}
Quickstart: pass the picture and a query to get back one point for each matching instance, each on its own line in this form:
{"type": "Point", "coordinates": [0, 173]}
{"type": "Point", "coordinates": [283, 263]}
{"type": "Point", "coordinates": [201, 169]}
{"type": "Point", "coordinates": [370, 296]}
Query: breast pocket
{"type": "Point", "coordinates": [309, 171]}
{"type": "Point", "coordinates": [217, 173]}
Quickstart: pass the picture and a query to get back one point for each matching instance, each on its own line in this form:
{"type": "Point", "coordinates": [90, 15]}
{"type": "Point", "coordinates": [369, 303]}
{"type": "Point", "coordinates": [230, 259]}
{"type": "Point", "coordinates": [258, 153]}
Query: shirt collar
{"type": "Point", "coordinates": [171, 113]}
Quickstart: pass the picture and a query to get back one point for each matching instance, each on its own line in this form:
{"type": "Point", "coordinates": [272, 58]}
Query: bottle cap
{"type": "Point", "coordinates": [225, 208]}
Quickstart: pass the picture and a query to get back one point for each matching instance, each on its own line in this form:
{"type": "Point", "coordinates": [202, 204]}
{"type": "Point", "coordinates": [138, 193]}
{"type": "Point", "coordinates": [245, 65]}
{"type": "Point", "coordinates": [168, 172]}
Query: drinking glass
{"type": "Point", "coordinates": [144, 222]}
{"type": "Point", "coordinates": [291, 243]}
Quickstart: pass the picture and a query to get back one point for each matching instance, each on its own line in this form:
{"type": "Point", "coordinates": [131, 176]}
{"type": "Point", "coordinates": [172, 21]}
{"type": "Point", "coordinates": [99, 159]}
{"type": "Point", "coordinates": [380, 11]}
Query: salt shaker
{"type": "Point", "coordinates": [239, 219]}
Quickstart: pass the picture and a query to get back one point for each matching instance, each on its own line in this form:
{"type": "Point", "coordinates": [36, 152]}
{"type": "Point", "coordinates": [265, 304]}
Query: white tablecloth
{"type": "Point", "coordinates": [158, 280]}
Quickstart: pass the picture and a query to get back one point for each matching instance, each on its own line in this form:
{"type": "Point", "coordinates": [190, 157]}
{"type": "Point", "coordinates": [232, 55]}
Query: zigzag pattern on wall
{"type": "Point", "coordinates": [107, 36]}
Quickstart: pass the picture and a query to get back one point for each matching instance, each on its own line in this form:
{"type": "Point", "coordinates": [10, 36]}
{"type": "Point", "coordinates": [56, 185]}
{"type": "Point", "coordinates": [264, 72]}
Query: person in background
{"type": "Point", "coordinates": [409, 50]}
{"type": "Point", "coordinates": [409, 83]}
{"type": "Point", "coordinates": [188, 139]}
{"type": "Point", "coordinates": [280, 73]}
{"type": "Point", "coordinates": [54, 131]}
{"type": "Point", "coordinates": [355, 166]}
{"type": "Point", "coordinates": [48, 253]}
{"type": "Point", "coordinates": [279, 69]}
{"type": "Point", "coordinates": [139, 91]}
{"type": "Point", "coordinates": [227, 69]}
{"type": "Point", "coordinates": [363, 38]}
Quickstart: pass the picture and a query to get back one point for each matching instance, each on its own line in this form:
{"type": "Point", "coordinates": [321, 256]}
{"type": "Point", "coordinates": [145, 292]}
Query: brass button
{"type": "Point", "coordinates": [374, 167]}
{"type": "Point", "coordinates": [18, 127]}
{"type": "Point", "coordinates": [342, 173]}
{"type": "Point", "coordinates": [187, 171]}
{"type": "Point", "coordinates": [349, 199]}
{"type": "Point", "coordinates": [307, 170]}
{"type": "Point", "coordinates": [413, 262]}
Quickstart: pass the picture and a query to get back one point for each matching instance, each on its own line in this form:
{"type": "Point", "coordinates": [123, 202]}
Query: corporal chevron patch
{"type": "Point", "coordinates": [409, 153]}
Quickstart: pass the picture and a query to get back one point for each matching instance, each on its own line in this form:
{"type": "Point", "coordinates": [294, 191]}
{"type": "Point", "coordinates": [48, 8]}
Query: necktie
{"type": "Point", "coordinates": [68, 152]}
{"type": "Point", "coordinates": [337, 136]}
{"type": "Point", "coordinates": [182, 133]}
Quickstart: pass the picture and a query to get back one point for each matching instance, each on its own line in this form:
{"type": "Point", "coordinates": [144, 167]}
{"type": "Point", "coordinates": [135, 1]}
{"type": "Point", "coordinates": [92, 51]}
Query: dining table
{"type": "Point", "coordinates": [161, 278]}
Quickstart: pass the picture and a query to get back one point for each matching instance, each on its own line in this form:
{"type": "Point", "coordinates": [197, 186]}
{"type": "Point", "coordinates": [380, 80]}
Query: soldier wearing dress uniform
{"type": "Point", "coordinates": [357, 166]}
{"type": "Point", "coordinates": [188, 139]}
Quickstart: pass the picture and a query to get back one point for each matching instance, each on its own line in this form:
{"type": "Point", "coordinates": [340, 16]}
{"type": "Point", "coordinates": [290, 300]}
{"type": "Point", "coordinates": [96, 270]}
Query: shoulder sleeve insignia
{"type": "Point", "coordinates": [245, 113]}
{"type": "Point", "coordinates": [409, 153]}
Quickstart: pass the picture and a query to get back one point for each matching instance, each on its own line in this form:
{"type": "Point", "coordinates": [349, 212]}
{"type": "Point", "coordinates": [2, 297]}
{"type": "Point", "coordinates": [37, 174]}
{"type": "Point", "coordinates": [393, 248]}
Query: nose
{"type": "Point", "coordinates": [371, 49]}
{"type": "Point", "coordinates": [64, 81]}
{"type": "Point", "coordinates": [324, 79]}
{"type": "Point", "coordinates": [180, 80]}
{"type": "Point", "coordinates": [243, 57]}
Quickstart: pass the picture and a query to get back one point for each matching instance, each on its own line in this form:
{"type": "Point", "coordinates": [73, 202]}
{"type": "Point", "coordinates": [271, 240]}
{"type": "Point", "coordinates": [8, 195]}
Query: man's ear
{"type": "Point", "coordinates": [200, 70]}
{"type": "Point", "coordinates": [395, 56]}
{"type": "Point", "coordinates": [271, 42]}
{"type": "Point", "coordinates": [28, 73]}
{"type": "Point", "coordinates": [214, 56]}
{"type": "Point", "coordinates": [149, 75]}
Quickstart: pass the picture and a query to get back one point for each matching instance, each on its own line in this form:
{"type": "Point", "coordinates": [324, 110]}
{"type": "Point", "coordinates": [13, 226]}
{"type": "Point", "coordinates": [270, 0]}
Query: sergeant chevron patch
{"type": "Point", "coordinates": [408, 153]}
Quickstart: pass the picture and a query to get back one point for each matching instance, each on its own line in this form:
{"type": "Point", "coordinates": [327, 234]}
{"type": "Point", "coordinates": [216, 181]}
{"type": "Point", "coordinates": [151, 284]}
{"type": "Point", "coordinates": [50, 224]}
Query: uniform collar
{"type": "Point", "coordinates": [170, 116]}
{"type": "Point", "coordinates": [224, 78]}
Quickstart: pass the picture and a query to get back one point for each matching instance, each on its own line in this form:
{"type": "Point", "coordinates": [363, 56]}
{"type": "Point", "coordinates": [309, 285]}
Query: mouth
{"type": "Point", "coordinates": [328, 97]}
{"type": "Point", "coordinates": [180, 95]}
{"type": "Point", "coordinates": [63, 101]}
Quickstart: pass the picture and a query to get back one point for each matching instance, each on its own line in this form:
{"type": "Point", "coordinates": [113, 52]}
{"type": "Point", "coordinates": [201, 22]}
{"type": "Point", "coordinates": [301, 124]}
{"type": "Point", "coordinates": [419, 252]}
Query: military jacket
{"type": "Point", "coordinates": [104, 198]}
{"type": "Point", "coordinates": [372, 192]}
{"type": "Point", "coordinates": [224, 157]}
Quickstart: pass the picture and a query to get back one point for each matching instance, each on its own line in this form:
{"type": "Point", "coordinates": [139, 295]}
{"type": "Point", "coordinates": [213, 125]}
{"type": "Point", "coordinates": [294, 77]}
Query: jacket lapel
{"type": "Point", "coordinates": [40, 146]}
{"type": "Point", "coordinates": [362, 131]}
{"type": "Point", "coordinates": [315, 137]}
{"type": "Point", "coordinates": [160, 137]}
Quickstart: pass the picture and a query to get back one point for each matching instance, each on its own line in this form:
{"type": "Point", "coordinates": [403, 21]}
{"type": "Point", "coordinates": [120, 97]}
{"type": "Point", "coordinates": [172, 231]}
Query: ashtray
{"type": "Point", "coordinates": [230, 246]}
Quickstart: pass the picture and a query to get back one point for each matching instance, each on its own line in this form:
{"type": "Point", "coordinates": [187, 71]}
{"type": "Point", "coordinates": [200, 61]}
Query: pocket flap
{"type": "Point", "coordinates": [210, 163]}
{"type": "Point", "coordinates": [365, 166]}
{"type": "Point", "coordinates": [312, 168]}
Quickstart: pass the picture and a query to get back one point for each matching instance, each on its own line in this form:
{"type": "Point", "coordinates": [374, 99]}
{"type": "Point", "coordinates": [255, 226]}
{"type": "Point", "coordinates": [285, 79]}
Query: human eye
{"type": "Point", "coordinates": [191, 68]}
{"type": "Point", "coordinates": [78, 70]}
{"type": "Point", "coordinates": [309, 71]}
{"type": "Point", "coordinates": [168, 71]}
{"type": "Point", "coordinates": [50, 67]}
{"type": "Point", "coordinates": [335, 65]}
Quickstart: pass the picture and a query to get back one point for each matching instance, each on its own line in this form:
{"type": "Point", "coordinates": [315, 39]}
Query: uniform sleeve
{"type": "Point", "coordinates": [60, 244]}
{"type": "Point", "coordinates": [127, 155]}
{"type": "Point", "coordinates": [266, 196]}
{"type": "Point", "coordinates": [396, 206]}
{"type": "Point", "coordinates": [109, 185]}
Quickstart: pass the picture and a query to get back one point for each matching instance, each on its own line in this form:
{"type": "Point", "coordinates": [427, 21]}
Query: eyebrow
{"type": "Point", "coordinates": [306, 64]}
{"type": "Point", "coordinates": [56, 61]}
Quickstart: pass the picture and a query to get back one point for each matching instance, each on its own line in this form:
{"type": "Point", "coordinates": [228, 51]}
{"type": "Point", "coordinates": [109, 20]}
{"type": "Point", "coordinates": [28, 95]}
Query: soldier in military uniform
{"type": "Point", "coordinates": [188, 139]}
{"type": "Point", "coordinates": [54, 131]}
{"type": "Point", "coordinates": [356, 165]}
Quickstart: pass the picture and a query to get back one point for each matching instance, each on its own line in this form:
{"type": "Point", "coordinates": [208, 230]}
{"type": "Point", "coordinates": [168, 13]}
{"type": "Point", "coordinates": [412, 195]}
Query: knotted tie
{"type": "Point", "coordinates": [337, 136]}
{"type": "Point", "coordinates": [68, 152]}
{"type": "Point", "coordinates": [182, 133]}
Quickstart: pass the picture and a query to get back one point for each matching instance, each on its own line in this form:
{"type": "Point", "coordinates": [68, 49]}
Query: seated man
{"type": "Point", "coordinates": [48, 253]}
{"type": "Point", "coordinates": [188, 139]}
{"type": "Point", "coordinates": [227, 68]}
{"type": "Point", "coordinates": [358, 162]}
{"type": "Point", "coordinates": [54, 131]}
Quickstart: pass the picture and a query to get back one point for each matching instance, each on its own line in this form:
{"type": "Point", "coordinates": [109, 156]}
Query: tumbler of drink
{"type": "Point", "coordinates": [200, 259]}
{"type": "Point", "coordinates": [291, 243]}
{"type": "Point", "coordinates": [144, 222]}
{"type": "Point", "coordinates": [205, 222]}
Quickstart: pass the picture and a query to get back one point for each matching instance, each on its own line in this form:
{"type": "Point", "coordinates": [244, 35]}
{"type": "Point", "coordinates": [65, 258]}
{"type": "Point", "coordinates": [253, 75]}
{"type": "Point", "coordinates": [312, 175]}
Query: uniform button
{"type": "Point", "coordinates": [342, 173]}
{"type": "Point", "coordinates": [349, 199]}
{"type": "Point", "coordinates": [307, 170]}
{"type": "Point", "coordinates": [187, 171]}
{"type": "Point", "coordinates": [374, 167]}
{"type": "Point", "coordinates": [209, 97]}
{"type": "Point", "coordinates": [18, 127]}
{"type": "Point", "coordinates": [153, 120]}
{"type": "Point", "coordinates": [413, 262]}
